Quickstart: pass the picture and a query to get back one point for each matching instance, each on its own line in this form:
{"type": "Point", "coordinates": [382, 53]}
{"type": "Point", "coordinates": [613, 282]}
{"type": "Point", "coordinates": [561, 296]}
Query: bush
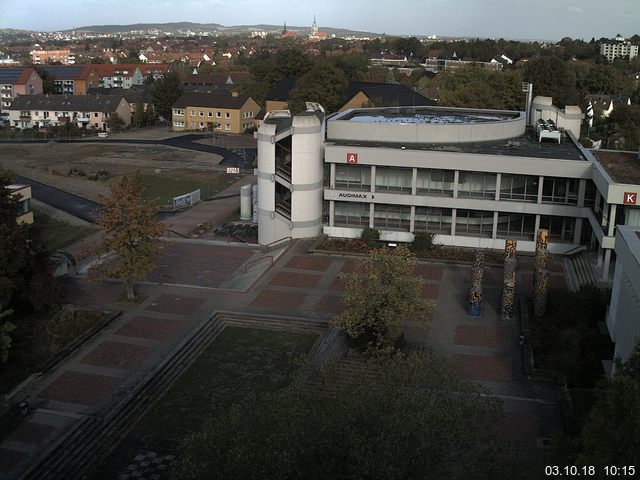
{"type": "Point", "coordinates": [371, 236]}
{"type": "Point", "coordinates": [422, 242]}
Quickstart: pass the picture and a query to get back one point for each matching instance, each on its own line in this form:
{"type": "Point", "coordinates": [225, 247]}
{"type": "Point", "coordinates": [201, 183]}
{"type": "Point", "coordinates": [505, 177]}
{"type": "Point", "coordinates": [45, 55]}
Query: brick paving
{"type": "Point", "coordinates": [80, 387]}
{"type": "Point", "coordinates": [300, 262]}
{"type": "Point", "coordinates": [116, 355]}
{"type": "Point", "coordinates": [149, 327]}
{"type": "Point", "coordinates": [349, 266]}
{"type": "Point", "coordinates": [429, 272]}
{"type": "Point", "coordinates": [278, 299]}
{"type": "Point", "coordinates": [485, 368]}
{"type": "Point", "coordinates": [331, 304]}
{"type": "Point", "coordinates": [483, 336]}
{"type": "Point", "coordinates": [176, 304]}
{"type": "Point", "coordinates": [430, 291]}
{"type": "Point", "coordinates": [30, 432]}
{"type": "Point", "coordinates": [337, 284]}
{"type": "Point", "coordinates": [296, 280]}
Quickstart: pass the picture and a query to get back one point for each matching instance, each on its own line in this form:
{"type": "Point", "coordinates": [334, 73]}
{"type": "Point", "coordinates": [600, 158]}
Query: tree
{"type": "Point", "coordinates": [552, 78]}
{"type": "Point", "coordinates": [165, 91]}
{"type": "Point", "coordinates": [324, 84]}
{"type": "Point", "coordinates": [130, 232]}
{"type": "Point", "coordinates": [139, 114]}
{"type": "Point", "coordinates": [116, 123]}
{"type": "Point", "coordinates": [392, 419]}
{"type": "Point", "coordinates": [379, 296]}
{"type": "Point", "coordinates": [48, 79]}
{"type": "Point", "coordinates": [611, 435]}
{"type": "Point", "coordinates": [6, 327]}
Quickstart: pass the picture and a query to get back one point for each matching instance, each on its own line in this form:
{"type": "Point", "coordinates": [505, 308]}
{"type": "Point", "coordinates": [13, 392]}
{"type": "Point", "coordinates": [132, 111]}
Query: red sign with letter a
{"type": "Point", "coordinates": [630, 198]}
{"type": "Point", "coordinates": [352, 158]}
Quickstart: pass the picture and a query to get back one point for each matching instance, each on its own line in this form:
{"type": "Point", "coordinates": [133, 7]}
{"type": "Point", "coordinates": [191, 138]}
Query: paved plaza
{"type": "Point", "coordinates": [194, 280]}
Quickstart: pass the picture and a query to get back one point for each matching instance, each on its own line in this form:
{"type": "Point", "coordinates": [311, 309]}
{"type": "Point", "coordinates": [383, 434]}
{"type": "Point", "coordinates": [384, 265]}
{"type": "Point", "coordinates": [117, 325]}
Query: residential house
{"type": "Point", "coordinates": [213, 82]}
{"type": "Point", "coordinates": [23, 193]}
{"type": "Point", "coordinates": [603, 105]}
{"type": "Point", "coordinates": [118, 76]}
{"type": "Point", "coordinates": [73, 79]}
{"type": "Point", "coordinates": [229, 113]}
{"type": "Point", "coordinates": [155, 70]}
{"type": "Point", "coordinates": [370, 94]}
{"type": "Point", "coordinates": [131, 95]}
{"type": "Point", "coordinates": [64, 56]}
{"type": "Point", "coordinates": [86, 111]}
{"type": "Point", "coordinates": [18, 81]}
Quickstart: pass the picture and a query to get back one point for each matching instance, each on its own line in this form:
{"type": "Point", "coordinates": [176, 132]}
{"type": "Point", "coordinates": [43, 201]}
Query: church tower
{"type": "Point", "coordinates": [314, 27]}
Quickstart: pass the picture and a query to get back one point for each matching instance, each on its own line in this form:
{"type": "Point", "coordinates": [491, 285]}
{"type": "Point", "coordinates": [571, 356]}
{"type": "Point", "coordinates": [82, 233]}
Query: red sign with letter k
{"type": "Point", "coordinates": [630, 198]}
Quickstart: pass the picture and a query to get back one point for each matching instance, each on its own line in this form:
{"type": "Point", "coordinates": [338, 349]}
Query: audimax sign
{"type": "Point", "coordinates": [363, 196]}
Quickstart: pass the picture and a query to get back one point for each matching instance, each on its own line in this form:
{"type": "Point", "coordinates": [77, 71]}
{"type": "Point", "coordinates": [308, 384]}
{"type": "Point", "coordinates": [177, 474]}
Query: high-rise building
{"type": "Point", "coordinates": [619, 47]}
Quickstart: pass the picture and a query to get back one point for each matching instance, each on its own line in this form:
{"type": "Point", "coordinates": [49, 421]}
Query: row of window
{"type": "Point", "coordinates": [193, 113]}
{"type": "Point", "coordinates": [470, 184]}
{"type": "Point", "coordinates": [476, 223]}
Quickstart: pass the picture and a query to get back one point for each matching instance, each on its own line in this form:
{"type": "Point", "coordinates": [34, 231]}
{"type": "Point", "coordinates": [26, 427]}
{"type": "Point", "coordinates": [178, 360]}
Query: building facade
{"type": "Point", "coordinates": [64, 56]}
{"type": "Point", "coordinates": [72, 80]}
{"type": "Point", "coordinates": [474, 178]}
{"type": "Point", "coordinates": [228, 113]}
{"type": "Point", "coordinates": [18, 81]}
{"type": "Point", "coordinates": [619, 47]}
{"type": "Point", "coordinates": [23, 194]}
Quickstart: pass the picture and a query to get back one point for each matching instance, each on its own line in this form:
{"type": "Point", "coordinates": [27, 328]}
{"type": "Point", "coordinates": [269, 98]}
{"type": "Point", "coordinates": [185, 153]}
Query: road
{"type": "Point", "coordinates": [65, 201]}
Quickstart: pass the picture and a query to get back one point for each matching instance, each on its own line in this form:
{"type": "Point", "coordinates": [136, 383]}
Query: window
{"type": "Point", "coordinates": [202, 114]}
{"type": "Point", "coordinates": [561, 229]}
{"type": "Point", "coordinates": [227, 127]}
{"type": "Point", "coordinates": [209, 114]}
{"type": "Point", "coordinates": [519, 188]}
{"type": "Point", "coordinates": [433, 220]}
{"type": "Point", "coordinates": [227, 115]}
{"type": "Point", "coordinates": [178, 111]}
{"type": "Point", "coordinates": [560, 190]}
{"type": "Point", "coordinates": [516, 226]}
{"type": "Point", "coordinates": [219, 126]}
{"type": "Point", "coordinates": [347, 214]}
{"type": "Point", "coordinates": [392, 217]}
{"type": "Point", "coordinates": [95, 114]}
{"type": "Point", "coordinates": [392, 179]}
{"type": "Point", "coordinates": [353, 177]}
{"type": "Point", "coordinates": [477, 185]}
{"type": "Point", "coordinates": [178, 123]}
{"type": "Point", "coordinates": [218, 115]}
{"type": "Point", "coordinates": [476, 223]}
{"type": "Point", "coordinates": [435, 182]}
{"type": "Point", "coordinates": [192, 113]}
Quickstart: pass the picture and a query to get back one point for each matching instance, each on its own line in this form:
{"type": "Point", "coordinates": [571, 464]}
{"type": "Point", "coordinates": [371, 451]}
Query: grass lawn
{"type": "Point", "coordinates": [162, 188]}
{"type": "Point", "coordinates": [56, 235]}
{"type": "Point", "coordinates": [239, 361]}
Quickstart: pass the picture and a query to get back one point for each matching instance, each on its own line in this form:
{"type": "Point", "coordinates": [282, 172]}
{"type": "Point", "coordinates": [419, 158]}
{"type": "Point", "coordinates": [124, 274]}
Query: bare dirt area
{"type": "Point", "coordinates": [71, 167]}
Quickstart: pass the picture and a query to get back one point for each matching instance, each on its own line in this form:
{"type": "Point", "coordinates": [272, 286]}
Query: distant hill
{"type": "Point", "coordinates": [178, 27]}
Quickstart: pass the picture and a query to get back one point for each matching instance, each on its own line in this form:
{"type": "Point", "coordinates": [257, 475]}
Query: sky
{"type": "Point", "coordinates": [517, 19]}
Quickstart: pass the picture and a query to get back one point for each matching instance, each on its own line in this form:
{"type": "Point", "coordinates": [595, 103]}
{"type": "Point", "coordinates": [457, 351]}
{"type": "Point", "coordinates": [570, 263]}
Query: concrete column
{"type": "Point", "coordinates": [453, 221]}
{"type": "Point", "coordinates": [540, 186]}
{"type": "Point", "coordinates": [596, 205]}
{"type": "Point", "coordinates": [605, 212]}
{"type": "Point", "coordinates": [332, 210]}
{"type": "Point", "coordinates": [577, 231]}
{"type": "Point", "coordinates": [373, 179]}
{"type": "Point", "coordinates": [537, 227]}
{"type": "Point", "coordinates": [605, 265]}
{"type": "Point", "coordinates": [414, 182]}
{"type": "Point", "coordinates": [498, 182]}
{"type": "Point", "coordinates": [412, 221]}
{"type": "Point", "coordinates": [612, 219]}
{"type": "Point", "coordinates": [494, 232]}
{"type": "Point", "coordinates": [582, 188]}
{"type": "Point", "coordinates": [371, 213]}
{"type": "Point", "coordinates": [456, 178]}
{"type": "Point", "coordinates": [599, 261]}
{"type": "Point", "coordinates": [332, 181]}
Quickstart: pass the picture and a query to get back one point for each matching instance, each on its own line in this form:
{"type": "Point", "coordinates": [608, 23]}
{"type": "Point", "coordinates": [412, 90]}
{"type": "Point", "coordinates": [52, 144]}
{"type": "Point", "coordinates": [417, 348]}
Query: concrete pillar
{"type": "Point", "coordinates": [540, 186]}
{"type": "Point", "coordinates": [414, 181]}
{"type": "Point", "coordinates": [605, 212]}
{"type": "Point", "coordinates": [454, 213]}
{"type": "Point", "coordinates": [540, 291]}
{"type": "Point", "coordinates": [494, 232]}
{"type": "Point", "coordinates": [412, 221]}
{"type": "Point", "coordinates": [332, 211]}
{"type": "Point", "coordinates": [371, 213]}
{"type": "Point", "coordinates": [612, 219]}
{"type": "Point", "coordinates": [599, 261]}
{"type": "Point", "coordinates": [596, 205]}
{"type": "Point", "coordinates": [578, 231]}
{"type": "Point", "coordinates": [536, 227]}
{"type": "Point", "coordinates": [332, 181]}
{"type": "Point", "coordinates": [605, 265]}
{"type": "Point", "coordinates": [373, 179]}
{"type": "Point", "coordinates": [456, 178]}
{"type": "Point", "coordinates": [498, 182]}
{"type": "Point", "coordinates": [582, 188]}
{"type": "Point", "coordinates": [508, 300]}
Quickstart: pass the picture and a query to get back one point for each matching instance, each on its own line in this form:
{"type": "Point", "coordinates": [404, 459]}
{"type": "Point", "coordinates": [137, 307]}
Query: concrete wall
{"type": "Point", "coordinates": [569, 118]}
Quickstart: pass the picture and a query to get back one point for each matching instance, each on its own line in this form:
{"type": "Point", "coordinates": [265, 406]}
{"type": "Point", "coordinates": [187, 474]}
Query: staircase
{"type": "Point", "coordinates": [583, 271]}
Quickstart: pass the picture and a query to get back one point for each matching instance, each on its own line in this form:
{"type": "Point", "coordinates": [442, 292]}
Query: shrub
{"type": "Point", "coordinates": [371, 236]}
{"type": "Point", "coordinates": [422, 242]}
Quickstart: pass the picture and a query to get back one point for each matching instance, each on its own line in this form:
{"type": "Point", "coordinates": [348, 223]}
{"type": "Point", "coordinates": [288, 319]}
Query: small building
{"type": "Point", "coordinates": [64, 56]}
{"type": "Point", "coordinates": [229, 113]}
{"type": "Point", "coordinates": [603, 105]}
{"type": "Point", "coordinates": [18, 81]}
{"type": "Point", "coordinates": [86, 111]}
{"type": "Point", "coordinates": [23, 193]}
{"type": "Point", "coordinates": [72, 80]}
{"type": "Point", "coordinates": [118, 76]}
{"type": "Point", "coordinates": [623, 316]}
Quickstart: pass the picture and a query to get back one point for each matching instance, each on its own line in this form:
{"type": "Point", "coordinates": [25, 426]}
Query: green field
{"type": "Point", "coordinates": [56, 234]}
{"type": "Point", "coordinates": [160, 189]}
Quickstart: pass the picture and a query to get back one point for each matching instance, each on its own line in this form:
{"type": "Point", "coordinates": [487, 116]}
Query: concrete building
{"type": "Point", "coordinates": [118, 76]}
{"type": "Point", "coordinates": [290, 174]}
{"type": "Point", "coordinates": [86, 111]}
{"type": "Point", "coordinates": [623, 317]}
{"type": "Point", "coordinates": [72, 80]}
{"type": "Point", "coordinates": [474, 178]}
{"type": "Point", "coordinates": [23, 193]}
{"type": "Point", "coordinates": [229, 113]}
{"type": "Point", "coordinates": [64, 56]}
{"type": "Point", "coordinates": [619, 47]}
{"type": "Point", "coordinates": [18, 81]}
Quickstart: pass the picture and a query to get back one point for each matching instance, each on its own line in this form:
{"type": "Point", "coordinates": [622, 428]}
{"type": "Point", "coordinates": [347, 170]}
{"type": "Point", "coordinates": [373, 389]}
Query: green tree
{"type": "Point", "coordinates": [131, 233]}
{"type": "Point", "coordinates": [139, 116]}
{"type": "Point", "coordinates": [552, 78]}
{"type": "Point", "coordinates": [390, 419]}
{"type": "Point", "coordinates": [379, 296]}
{"type": "Point", "coordinates": [611, 435]}
{"type": "Point", "coordinates": [48, 79]}
{"type": "Point", "coordinates": [165, 91]}
{"type": "Point", "coordinates": [116, 123]}
{"type": "Point", "coordinates": [324, 84]}
{"type": "Point", "coordinates": [6, 327]}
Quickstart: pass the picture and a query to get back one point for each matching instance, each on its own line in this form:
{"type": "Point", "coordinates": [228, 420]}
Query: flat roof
{"type": "Point", "coordinates": [525, 145]}
{"type": "Point", "coordinates": [425, 114]}
{"type": "Point", "coordinates": [622, 167]}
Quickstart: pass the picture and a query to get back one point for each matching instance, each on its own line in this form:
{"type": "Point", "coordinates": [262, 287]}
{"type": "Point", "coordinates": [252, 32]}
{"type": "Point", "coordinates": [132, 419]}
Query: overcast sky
{"type": "Point", "coordinates": [527, 19]}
